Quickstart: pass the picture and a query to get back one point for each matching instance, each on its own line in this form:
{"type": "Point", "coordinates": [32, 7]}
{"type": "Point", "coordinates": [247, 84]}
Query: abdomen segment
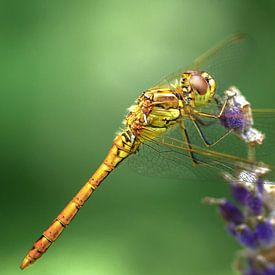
{"type": "Point", "coordinates": [122, 147]}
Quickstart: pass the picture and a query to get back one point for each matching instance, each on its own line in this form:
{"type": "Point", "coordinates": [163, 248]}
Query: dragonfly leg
{"type": "Point", "coordinates": [208, 123]}
{"type": "Point", "coordinates": [203, 114]}
{"type": "Point", "coordinates": [203, 123]}
{"type": "Point", "coordinates": [202, 136]}
{"type": "Point", "coordinates": [187, 142]}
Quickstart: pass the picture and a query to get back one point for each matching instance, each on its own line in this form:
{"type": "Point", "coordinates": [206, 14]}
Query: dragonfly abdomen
{"type": "Point", "coordinates": [122, 147]}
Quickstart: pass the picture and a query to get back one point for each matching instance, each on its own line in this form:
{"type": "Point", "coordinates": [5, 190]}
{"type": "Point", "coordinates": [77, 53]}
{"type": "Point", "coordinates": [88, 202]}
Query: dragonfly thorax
{"type": "Point", "coordinates": [198, 87]}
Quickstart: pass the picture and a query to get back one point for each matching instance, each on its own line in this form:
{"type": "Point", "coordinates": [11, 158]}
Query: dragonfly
{"type": "Point", "coordinates": [179, 125]}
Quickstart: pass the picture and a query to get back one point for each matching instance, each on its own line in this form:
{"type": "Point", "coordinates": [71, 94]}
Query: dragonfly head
{"type": "Point", "coordinates": [198, 87]}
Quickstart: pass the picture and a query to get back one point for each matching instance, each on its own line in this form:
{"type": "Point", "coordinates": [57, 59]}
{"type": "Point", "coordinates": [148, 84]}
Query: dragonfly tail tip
{"type": "Point", "coordinates": [25, 263]}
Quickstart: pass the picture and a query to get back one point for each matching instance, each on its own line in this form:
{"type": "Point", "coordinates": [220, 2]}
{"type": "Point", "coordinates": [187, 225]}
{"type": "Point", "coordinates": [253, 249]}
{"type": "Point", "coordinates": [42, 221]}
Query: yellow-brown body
{"type": "Point", "coordinates": [154, 112]}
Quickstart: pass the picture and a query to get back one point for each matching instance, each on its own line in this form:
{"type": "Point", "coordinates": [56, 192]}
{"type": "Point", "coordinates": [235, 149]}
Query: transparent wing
{"type": "Point", "coordinates": [158, 158]}
{"type": "Point", "coordinates": [226, 62]}
{"type": "Point", "coordinates": [264, 121]}
{"type": "Point", "coordinates": [168, 156]}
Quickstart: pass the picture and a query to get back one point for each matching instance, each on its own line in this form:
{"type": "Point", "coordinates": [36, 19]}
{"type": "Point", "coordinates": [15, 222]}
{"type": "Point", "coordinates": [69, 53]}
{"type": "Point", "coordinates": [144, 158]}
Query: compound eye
{"type": "Point", "coordinates": [199, 84]}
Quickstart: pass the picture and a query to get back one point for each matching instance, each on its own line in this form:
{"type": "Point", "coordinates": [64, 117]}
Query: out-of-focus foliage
{"type": "Point", "coordinates": [69, 69]}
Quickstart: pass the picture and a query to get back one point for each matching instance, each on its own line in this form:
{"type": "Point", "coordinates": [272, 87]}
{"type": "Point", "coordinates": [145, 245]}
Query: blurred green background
{"type": "Point", "coordinates": [69, 70]}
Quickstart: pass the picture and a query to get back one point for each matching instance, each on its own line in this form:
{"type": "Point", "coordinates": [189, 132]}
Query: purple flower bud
{"type": "Point", "coordinates": [264, 232]}
{"type": "Point", "coordinates": [239, 193]}
{"type": "Point", "coordinates": [270, 270]}
{"type": "Point", "coordinates": [247, 237]}
{"type": "Point", "coordinates": [232, 118]}
{"type": "Point", "coordinates": [254, 203]}
{"type": "Point", "coordinates": [231, 213]}
{"type": "Point", "coordinates": [252, 271]}
{"type": "Point", "coordinates": [232, 229]}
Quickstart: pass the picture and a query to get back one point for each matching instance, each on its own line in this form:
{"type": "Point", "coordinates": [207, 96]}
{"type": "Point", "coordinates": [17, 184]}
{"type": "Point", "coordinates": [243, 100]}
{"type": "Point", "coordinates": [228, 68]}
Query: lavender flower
{"type": "Point", "coordinates": [250, 220]}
